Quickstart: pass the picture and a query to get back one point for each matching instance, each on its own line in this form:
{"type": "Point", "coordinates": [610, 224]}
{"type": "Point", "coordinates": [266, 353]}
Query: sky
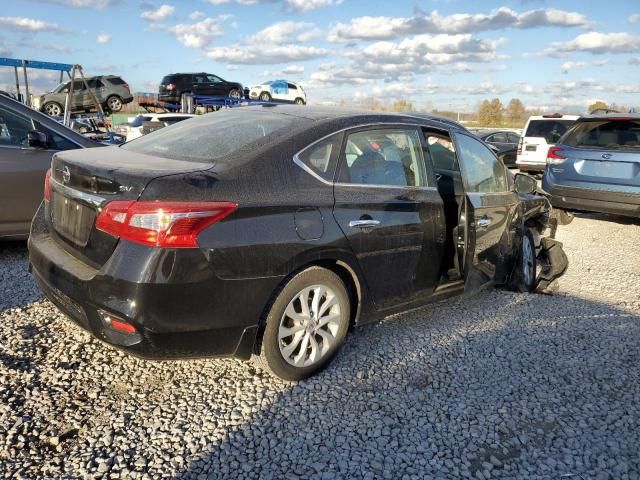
{"type": "Point", "coordinates": [444, 54]}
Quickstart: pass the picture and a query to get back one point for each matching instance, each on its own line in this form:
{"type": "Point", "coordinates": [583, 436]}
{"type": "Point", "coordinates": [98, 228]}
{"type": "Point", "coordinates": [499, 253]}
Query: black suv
{"type": "Point", "coordinates": [173, 86]}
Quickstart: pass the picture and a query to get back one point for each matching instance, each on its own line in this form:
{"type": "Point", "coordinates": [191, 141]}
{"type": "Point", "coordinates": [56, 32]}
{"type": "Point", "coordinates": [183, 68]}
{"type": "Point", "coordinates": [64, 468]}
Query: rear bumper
{"type": "Point", "coordinates": [530, 166]}
{"type": "Point", "coordinates": [592, 200]}
{"type": "Point", "coordinates": [176, 316]}
{"type": "Point", "coordinates": [169, 97]}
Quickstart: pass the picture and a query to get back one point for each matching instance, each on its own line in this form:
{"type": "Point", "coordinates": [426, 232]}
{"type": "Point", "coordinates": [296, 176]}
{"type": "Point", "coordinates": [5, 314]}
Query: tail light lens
{"type": "Point", "coordinates": [519, 151]}
{"type": "Point", "coordinates": [554, 156]}
{"type": "Point", "coordinates": [126, 85]}
{"type": "Point", "coordinates": [161, 224]}
{"type": "Point", "coordinates": [47, 185]}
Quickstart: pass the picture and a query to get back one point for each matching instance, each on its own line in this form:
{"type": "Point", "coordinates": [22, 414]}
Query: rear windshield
{"type": "Point", "coordinates": [608, 134]}
{"type": "Point", "coordinates": [550, 130]}
{"type": "Point", "coordinates": [214, 135]}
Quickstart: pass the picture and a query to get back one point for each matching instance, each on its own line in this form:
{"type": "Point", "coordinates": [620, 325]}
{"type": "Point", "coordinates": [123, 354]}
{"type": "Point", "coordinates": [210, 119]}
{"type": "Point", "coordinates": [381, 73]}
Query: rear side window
{"type": "Point", "coordinates": [321, 158]}
{"type": "Point", "coordinates": [607, 134]}
{"type": "Point", "coordinates": [214, 136]}
{"type": "Point", "coordinates": [550, 130]}
{"type": "Point", "coordinates": [383, 157]}
{"type": "Point", "coordinates": [116, 81]}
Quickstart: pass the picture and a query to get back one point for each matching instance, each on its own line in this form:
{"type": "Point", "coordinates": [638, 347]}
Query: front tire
{"type": "Point", "coordinates": [525, 273]}
{"type": "Point", "coordinates": [306, 325]}
{"type": "Point", "coordinates": [235, 93]}
{"type": "Point", "coordinates": [52, 109]}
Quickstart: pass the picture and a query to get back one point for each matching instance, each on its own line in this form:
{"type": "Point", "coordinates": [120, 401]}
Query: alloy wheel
{"type": "Point", "coordinates": [309, 326]}
{"type": "Point", "coordinates": [115, 104]}
{"type": "Point", "coordinates": [528, 261]}
{"type": "Point", "coordinates": [53, 109]}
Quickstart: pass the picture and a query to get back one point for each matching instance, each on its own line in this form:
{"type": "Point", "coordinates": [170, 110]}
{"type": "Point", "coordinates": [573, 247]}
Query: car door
{"type": "Point", "coordinates": [280, 90]}
{"type": "Point", "coordinates": [217, 86]}
{"type": "Point", "coordinates": [98, 89]}
{"type": "Point", "coordinates": [292, 92]}
{"type": "Point", "coordinates": [488, 208]}
{"type": "Point", "coordinates": [201, 84]}
{"type": "Point", "coordinates": [23, 170]}
{"type": "Point", "coordinates": [390, 213]}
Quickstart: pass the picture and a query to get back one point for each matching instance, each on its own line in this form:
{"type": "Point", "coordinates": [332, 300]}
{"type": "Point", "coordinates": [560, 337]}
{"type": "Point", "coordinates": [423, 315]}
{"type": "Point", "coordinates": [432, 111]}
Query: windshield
{"type": "Point", "coordinates": [607, 134]}
{"type": "Point", "coordinates": [214, 135]}
{"type": "Point", "coordinates": [550, 130]}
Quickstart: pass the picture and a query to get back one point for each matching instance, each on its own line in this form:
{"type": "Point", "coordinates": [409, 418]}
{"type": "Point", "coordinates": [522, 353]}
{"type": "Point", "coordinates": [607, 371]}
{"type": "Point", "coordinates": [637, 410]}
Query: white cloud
{"type": "Point", "coordinates": [84, 3]}
{"type": "Point", "coordinates": [275, 54]}
{"type": "Point", "coordinates": [597, 43]}
{"type": "Point", "coordinates": [197, 35]}
{"type": "Point", "coordinates": [23, 24]}
{"type": "Point", "coordinates": [196, 14]}
{"type": "Point", "coordinates": [634, 61]}
{"type": "Point", "coordinates": [383, 28]}
{"type": "Point", "coordinates": [634, 18]}
{"type": "Point", "coordinates": [293, 70]}
{"type": "Point", "coordinates": [103, 38]}
{"type": "Point", "coordinates": [282, 32]}
{"type": "Point", "coordinates": [566, 66]}
{"type": "Point", "coordinates": [162, 13]}
{"type": "Point", "coordinates": [295, 5]}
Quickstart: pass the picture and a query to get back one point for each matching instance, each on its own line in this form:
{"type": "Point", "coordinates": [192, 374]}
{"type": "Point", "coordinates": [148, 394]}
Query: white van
{"type": "Point", "coordinates": [540, 133]}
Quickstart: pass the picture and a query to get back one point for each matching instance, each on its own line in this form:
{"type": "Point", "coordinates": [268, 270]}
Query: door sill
{"type": "Point", "coordinates": [449, 287]}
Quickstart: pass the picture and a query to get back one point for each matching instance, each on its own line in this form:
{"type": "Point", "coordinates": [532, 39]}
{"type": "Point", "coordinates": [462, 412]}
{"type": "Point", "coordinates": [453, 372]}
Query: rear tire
{"type": "Point", "coordinates": [113, 103]}
{"type": "Point", "coordinates": [265, 97]}
{"type": "Point", "coordinates": [299, 101]}
{"type": "Point", "coordinates": [235, 93]}
{"type": "Point", "coordinates": [306, 324]}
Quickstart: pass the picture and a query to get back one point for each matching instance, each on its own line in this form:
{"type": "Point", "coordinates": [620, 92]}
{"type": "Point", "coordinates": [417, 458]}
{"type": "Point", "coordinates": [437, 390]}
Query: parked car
{"type": "Point", "coordinates": [139, 125]}
{"type": "Point", "coordinates": [173, 86]}
{"type": "Point", "coordinates": [505, 141]}
{"type": "Point", "coordinates": [270, 231]}
{"type": "Point", "coordinates": [540, 133]}
{"type": "Point", "coordinates": [28, 139]}
{"type": "Point", "coordinates": [281, 91]}
{"type": "Point", "coordinates": [110, 90]}
{"type": "Point", "coordinates": [596, 166]}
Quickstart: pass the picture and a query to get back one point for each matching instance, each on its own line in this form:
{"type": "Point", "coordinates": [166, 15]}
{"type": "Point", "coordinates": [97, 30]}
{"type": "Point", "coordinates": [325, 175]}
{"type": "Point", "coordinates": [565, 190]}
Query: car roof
{"type": "Point", "coordinates": [485, 132]}
{"type": "Point", "coordinates": [336, 113]}
{"type": "Point", "coordinates": [606, 116]}
{"type": "Point", "coordinates": [561, 117]}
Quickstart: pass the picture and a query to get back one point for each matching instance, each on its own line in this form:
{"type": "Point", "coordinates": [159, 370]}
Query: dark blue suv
{"type": "Point", "coordinates": [595, 166]}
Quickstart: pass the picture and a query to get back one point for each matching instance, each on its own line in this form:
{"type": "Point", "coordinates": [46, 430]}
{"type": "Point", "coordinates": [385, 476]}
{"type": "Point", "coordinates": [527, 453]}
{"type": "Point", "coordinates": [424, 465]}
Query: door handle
{"type": "Point", "coordinates": [364, 223]}
{"type": "Point", "coordinates": [483, 222]}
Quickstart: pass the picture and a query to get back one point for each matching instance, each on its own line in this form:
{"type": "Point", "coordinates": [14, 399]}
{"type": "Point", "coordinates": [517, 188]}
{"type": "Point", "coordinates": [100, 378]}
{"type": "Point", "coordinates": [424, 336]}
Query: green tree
{"type": "Point", "coordinates": [515, 111]}
{"type": "Point", "coordinates": [597, 105]}
{"type": "Point", "coordinates": [490, 113]}
{"type": "Point", "coordinates": [402, 106]}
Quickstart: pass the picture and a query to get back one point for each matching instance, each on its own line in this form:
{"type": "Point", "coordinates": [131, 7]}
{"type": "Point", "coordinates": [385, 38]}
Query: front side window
{"type": "Point", "coordinates": [390, 156]}
{"type": "Point", "coordinates": [483, 172]}
{"type": "Point", "coordinates": [199, 79]}
{"type": "Point", "coordinates": [321, 158]}
{"type": "Point", "coordinates": [14, 128]}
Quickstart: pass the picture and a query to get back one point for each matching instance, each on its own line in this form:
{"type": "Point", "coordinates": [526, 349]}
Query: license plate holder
{"type": "Point", "coordinates": [72, 219]}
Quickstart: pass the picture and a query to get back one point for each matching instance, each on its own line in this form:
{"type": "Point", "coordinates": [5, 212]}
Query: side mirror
{"type": "Point", "coordinates": [36, 139]}
{"type": "Point", "coordinates": [525, 184]}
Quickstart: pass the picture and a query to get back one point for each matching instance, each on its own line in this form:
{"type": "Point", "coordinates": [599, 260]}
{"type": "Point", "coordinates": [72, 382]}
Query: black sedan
{"type": "Point", "coordinates": [270, 231]}
{"type": "Point", "coordinates": [505, 143]}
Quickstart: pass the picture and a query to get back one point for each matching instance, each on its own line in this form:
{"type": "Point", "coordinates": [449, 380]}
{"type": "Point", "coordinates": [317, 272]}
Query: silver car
{"type": "Point", "coordinates": [111, 91]}
{"type": "Point", "coordinates": [595, 166]}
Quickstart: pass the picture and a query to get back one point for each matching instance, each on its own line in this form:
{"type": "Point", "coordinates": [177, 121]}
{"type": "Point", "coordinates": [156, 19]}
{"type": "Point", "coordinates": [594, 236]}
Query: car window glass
{"type": "Point", "coordinates": [214, 79]}
{"type": "Point", "coordinates": [292, 86]}
{"type": "Point", "coordinates": [442, 152]}
{"type": "Point", "coordinates": [607, 134]}
{"type": "Point", "coordinates": [78, 85]}
{"type": "Point", "coordinates": [95, 83]}
{"type": "Point", "coordinates": [119, 81]}
{"type": "Point", "coordinates": [383, 157]}
{"type": "Point", "coordinates": [550, 130]}
{"type": "Point", "coordinates": [513, 137]}
{"type": "Point", "coordinates": [13, 128]}
{"type": "Point", "coordinates": [56, 141]}
{"type": "Point", "coordinates": [199, 79]}
{"type": "Point", "coordinates": [483, 172]}
{"type": "Point", "coordinates": [322, 157]}
{"type": "Point", "coordinates": [499, 138]}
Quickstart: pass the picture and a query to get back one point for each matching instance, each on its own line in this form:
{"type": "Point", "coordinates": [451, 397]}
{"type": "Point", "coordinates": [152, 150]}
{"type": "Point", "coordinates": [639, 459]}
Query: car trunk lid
{"type": "Point", "coordinates": [600, 166]}
{"type": "Point", "coordinates": [83, 181]}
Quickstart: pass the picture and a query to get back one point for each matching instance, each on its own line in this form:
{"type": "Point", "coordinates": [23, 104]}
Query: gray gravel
{"type": "Point", "coordinates": [501, 385]}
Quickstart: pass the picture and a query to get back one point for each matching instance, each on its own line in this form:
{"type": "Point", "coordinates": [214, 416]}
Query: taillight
{"type": "Point", "coordinates": [126, 85]}
{"type": "Point", "coordinates": [161, 224]}
{"type": "Point", "coordinates": [519, 151]}
{"type": "Point", "coordinates": [47, 185]}
{"type": "Point", "coordinates": [554, 157]}
{"type": "Point", "coordinates": [170, 86]}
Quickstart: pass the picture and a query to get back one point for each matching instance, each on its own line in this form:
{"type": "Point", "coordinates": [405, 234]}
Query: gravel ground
{"type": "Point", "coordinates": [501, 385]}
